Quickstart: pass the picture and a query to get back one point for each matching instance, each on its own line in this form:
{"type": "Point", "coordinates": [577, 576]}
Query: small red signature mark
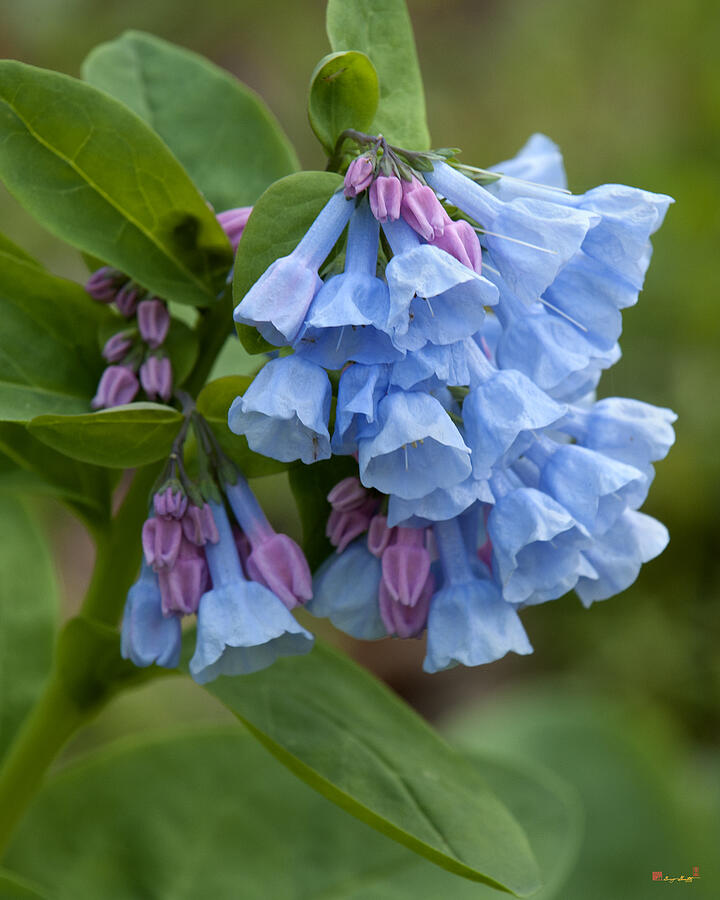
{"type": "Point", "coordinates": [658, 876]}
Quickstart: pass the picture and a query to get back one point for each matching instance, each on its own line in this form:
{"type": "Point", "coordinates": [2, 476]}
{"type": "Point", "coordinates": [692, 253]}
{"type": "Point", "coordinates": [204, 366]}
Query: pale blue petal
{"type": "Point", "coordinates": [618, 555]}
{"type": "Point", "coordinates": [345, 590]}
{"type": "Point", "coordinates": [439, 505]}
{"type": "Point", "coordinates": [359, 392]}
{"type": "Point", "coordinates": [472, 625]}
{"type": "Point", "coordinates": [147, 635]}
{"type": "Point", "coordinates": [539, 161]}
{"type": "Point", "coordinates": [417, 448]}
{"type": "Point", "coordinates": [242, 628]}
{"type": "Point", "coordinates": [284, 412]}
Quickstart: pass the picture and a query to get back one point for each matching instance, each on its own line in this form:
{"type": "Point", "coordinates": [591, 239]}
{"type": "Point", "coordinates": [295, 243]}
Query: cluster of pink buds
{"type": "Point", "coordinates": [173, 541]}
{"type": "Point", "coordinates": [352, 510]}
{"type": "Point", "coordinates": [135, 353]}
{"type": "Point", "coordinates": [396, 192]}
{"type": "Point", "coordinates": [405, 582]}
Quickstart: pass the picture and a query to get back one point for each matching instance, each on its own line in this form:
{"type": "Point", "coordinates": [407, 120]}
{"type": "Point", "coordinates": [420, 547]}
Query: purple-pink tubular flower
{"type": "Point", "coordinates": [153, 321]}
{"type": "Point", "coordinates": [182, 586]}
{"type": "Point", "coordinates": [170, 504]}
{"type": "Point", "coordinates": [118, 385]}
{"type": "Point", "coordinates": [116, 347]}
{"type": "Point", "coordinates": [275, 560]}
{"type": "Point", "coordinates": [460, 240]}
{"type": "Point", "coordinates": [233, 222]}
{"type": "Point", "coordinates": [359, 176]}
{"type": "Point", "coordinates": [343, 526]}
{"type": "Point", "coordinates": [422, 210]}
{"type": "Point", "coordinates": [407, 583]}
{"type": "Point", "coordinates": [127, 298]}
{"type": "Point", "coordinates": [198, 525]}
{"type": "Point", "coordinates": [386, 195]}
{"type": "Point", "coordinates": [102, 285]}
{"type": "Point", "coordinates": [161, 539]}
{"type": "Point", "coordinates": [156, 378]}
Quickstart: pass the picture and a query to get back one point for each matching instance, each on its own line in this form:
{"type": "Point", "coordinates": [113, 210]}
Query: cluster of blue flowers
{"type": "Point", "coordinates": [469, 342]}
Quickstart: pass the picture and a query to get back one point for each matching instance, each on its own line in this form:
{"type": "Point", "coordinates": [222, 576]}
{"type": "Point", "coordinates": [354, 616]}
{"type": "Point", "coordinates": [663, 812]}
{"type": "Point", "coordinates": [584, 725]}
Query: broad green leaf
{"type": "Point", "coordinates": [87, 489]}
{"type": "Point", "coordinates": [279, 220]}
{"type": "Point", "coordinates": [627, 775]}
{"type": "Point", "coordinates": [49, 358]}
{"type": "Point", "coordinates": [134, 805]}
{"type": "Point", "coordinates": [382, 30]}
{"type": "Point", "coordinates": [354, 741]}
{"type": "Point", "coordinates": [14, 886]}
{"type": "Point", "coordinates": [310, 486]}
{"type": "Point", "coordinates": [222, 132]}
{"type": "Point", "coordinates": [121, 437]}
{"type": "Point", "coordinates": [28, 610]}
{"type": "Point", "coordinates": [10, 249]}
{"type": "Point", "coordinates": [97, 176]}
{"type": "Point", "coordinates": [344, 93]}
{"type": "Point", "coordinates": [214, 402]}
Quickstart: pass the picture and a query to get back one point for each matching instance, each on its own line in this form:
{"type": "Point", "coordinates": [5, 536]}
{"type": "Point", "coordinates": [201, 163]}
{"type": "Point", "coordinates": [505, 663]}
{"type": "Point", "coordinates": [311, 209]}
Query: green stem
{"type": "Point", "coordinates": [46, 730]}
{"type": "Point", "coordinates": [87, 668]}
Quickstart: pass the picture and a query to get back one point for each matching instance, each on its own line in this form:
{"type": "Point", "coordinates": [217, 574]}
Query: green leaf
{"type": "Point", "coordinates": [122, 437]}
{"type": "Point", "coordinates": [350, 738]}
{"type": "Point", "coordinates": [134, 804]}
{"type": "Point", "coordinates": [279, 220]}
{"type": "Point", "coordinates": [626, 772]}
{"type": "Point", "coordinates": [13, 886]}
{"type": "Point", "coordinates": [382, 30]}
{"type": "Point", "coordinates": [222, 132]}
{"type": "Point", "coordinates": [214, 402]}
{"type": "Point", "coordinates": [344, 93]}
{"type": "Point", "coordinates": [28, 611]}
{"type": "Point", "coordinates": [87, 489]}
{"type": "Point", "coordinates": [310, 486]}
{"type": "Point", "coordinates": [49, 358]}
{"type": "Point", "coordinates": [97, 176]}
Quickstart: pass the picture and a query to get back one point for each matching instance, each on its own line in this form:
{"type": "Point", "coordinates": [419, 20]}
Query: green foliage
{"type": "Point", "coordinates": [214, 402]}
{"type": "Point", "coordinates": [344, 93]}
{"type": "Point", "coordinates": [122, 437]}
{"type": "Point", "coordinates": [85, 488]}
{"type": "Point", "coordinates": [350, 738]}
{"type": "Point", "coordinates": [222, 132]}
{"type": "Point", "coordinates": [12, 886]}
{"type": "Point", "coordinates": [310, 486]}
{"type": "Point", "coordinates": [28, 611]}
{"type": "Point", "coordinates": [382, 30]}
{"type": "Point", "coordinates": [131, 827]}
{"type": "Point", "coordinates": [279, 220]}
{"type": "Point", "coordinates": [97, 176]}
{"type": "Point", "coordinates": [49, 358]}
{"type": "Point", "coordinates": [625, 768]}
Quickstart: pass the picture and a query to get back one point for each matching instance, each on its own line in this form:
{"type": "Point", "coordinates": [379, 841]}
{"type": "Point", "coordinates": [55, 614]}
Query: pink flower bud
{"type": "Point", "coordinates": [156, 378]}
{"type": "Point", "coordinates": [280, 565]}
{"type": "Point", "coordinates": [116, 347]}
{"type": "Point", "coordinates": [170, 504]}
{"type": "Point", "coordinates": [127, 299]}
{"type": "Point", "coordinates": [102, 285]}
{"type": "Point", "coordinates": [406, 566]}
{"type": "Point", "coordinates": [422, 210]}
{"type": "Point", "coordinates": [358, 176]}
{"type": "Point", "coordinates": [379, 535]}
{"type": "Point", "coordinates": [118, 385]}
{"type": "Point", "coordinates": [182, 586]}
{"type": "Point", "coordinates": [233, 222]}
{"type": "Point", "coordinates": [161, 542]}
{"type": "Point", "coordinates": [347, 494]}
{"type": "Point", "coordinates": [459, 240]}
{"type": "Point", "coordinates": [385, 198]}
{"type": "Point", "coordinates": [405, 621]}
{"type": "Point", "coordinates": [344, 526]}
{"type": "Point", "coordinates": [153, 321]}
{"type": "Point", "coordinates": [198, 525]}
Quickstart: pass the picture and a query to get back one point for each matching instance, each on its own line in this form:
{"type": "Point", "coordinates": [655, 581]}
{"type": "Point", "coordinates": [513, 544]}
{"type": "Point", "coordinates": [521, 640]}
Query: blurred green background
{"type": "Point", "coordinates": [630, 90]}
